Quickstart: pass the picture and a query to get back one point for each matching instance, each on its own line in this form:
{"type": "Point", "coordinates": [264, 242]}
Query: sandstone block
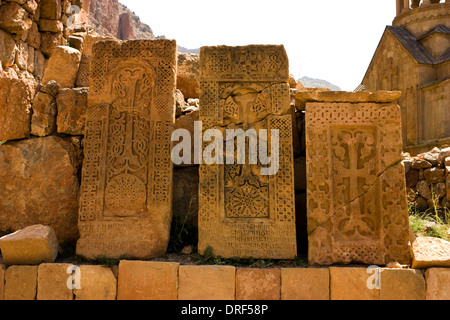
{"type": "Point", "coordinates": [420, 164]}
{"type": "Point", "coordinates": [21, 283]}
{"type": "Point", "coordinates": [14, 19]}
{"type": "Point", "coordinates": [143, 280]}
{"type": "Point", "coordinates": [63, 66]}
{"type": "Point", "coordinates": [96, 283]}
{"type": "Point", "coordinates": [52, 282]}
{"type": "Point", "coordinates": [438, 284]}
{"type": "Point", "coordinates": [8, 49]}
{"type": "Point", "coordinates": [39, 64]}
{"type": "Point", "coordinates": [32, 245]}
{"type": "Point", "coordinates": [52, 88]}
{"type": "Point", "coordinates": [351, 284]}
{"type": "Point", "coordinates": [15, 105]}
{"type": "Point", "coordinates": [434, 175]}
{"type": "Point", "coordinates": [43, 121]}
{"type": "Point", "coordinates": [51, 9]}
{"type": "Point", "coordinates": [206, 283]}
{"type": "Point", "coordinates": [305, 284]}
{"type": "Point", "coordinates": [258, 284]}
{"type": "Point", "coordinates": [187, 75]}
{"type": "Point", "coordinates": [423, 189]}
{"type": "Point", "coordinates": [54, 26]}
{"type": "Point", "coordinates": [447, 182]}
{"type": "Point", "coordinates": [31, 6]}
{"type": "Point", "coordinates": [402, 284]}
{"type": "Point", "coordinates": [49, 41]}
{"type": "Point", "coordinates": [34, 37]}
{"type": "Point", "coordinates": [39, 185]}
{"type": "Point", "coordinates": [430, 252]}
{"type": "Point", "coordinates": [72, 105]}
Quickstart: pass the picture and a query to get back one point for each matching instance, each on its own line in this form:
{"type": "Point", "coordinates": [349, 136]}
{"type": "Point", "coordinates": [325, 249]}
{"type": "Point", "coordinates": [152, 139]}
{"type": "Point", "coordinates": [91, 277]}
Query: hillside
{"type": "Point", "coordinates": [318, 83]}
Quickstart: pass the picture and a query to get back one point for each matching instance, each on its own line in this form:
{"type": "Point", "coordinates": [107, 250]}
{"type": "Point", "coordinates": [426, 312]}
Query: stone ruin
{"type": "Point", "coordinates": [109, 107]}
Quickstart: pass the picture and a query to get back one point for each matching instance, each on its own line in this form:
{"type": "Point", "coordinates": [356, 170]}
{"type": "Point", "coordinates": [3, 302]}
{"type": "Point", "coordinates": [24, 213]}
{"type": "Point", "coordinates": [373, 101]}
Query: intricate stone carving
{"type": "Point", "coordinates": [241, 212]}
{"type": "Point", "coordinates": [125, 206]}
{"type": "Point", "coordinates": [357, 209]}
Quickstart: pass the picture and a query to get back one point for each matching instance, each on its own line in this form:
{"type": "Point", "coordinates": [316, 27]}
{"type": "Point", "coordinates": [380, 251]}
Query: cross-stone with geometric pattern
{"type": "Point", "coordinates": [126, 191]}
{"type": "Point", "coordinates": [356, 192]}
{"type": "Point", "coordinates": [243, 213]}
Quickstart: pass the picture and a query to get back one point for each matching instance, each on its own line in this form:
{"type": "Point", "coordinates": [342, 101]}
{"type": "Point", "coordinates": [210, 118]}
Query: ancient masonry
{"type": "Point", "coordinates": [126, 190]}
{"type": "Point", "coordinates": [357, 209]}
{"type": "Point", "coordinates": [241, 212]}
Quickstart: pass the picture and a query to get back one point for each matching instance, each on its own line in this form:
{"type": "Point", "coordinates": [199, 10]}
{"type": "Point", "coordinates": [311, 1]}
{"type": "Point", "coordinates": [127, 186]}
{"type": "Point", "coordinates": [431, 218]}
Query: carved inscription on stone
{"type": "Point", "coordinates": [357, 211]}
{"type": "Point", "coordinates": [125, 205]}
{"type": "Point", "coordinates": [244, 213]}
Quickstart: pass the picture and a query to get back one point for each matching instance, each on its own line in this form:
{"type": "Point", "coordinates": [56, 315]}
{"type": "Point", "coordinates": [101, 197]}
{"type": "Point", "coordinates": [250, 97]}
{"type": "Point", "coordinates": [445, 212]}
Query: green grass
{"type": "Point", "coordinates": [431, 223]}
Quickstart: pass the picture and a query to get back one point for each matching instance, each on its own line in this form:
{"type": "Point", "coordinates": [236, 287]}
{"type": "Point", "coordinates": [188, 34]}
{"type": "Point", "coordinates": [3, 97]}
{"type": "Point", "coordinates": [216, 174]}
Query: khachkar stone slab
{"type": "Point", "coordinates": [243, 213]}
{"type": "Point", "coordinates": [125, 206]}
{"type": "Point", "coordinates": [357, 210]}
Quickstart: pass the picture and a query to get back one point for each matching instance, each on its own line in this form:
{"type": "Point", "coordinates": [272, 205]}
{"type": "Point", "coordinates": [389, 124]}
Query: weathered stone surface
{"type": "Point", "coordinates": [206, 283]}
{"type": "Point", "coordinates": [258, 284]}
{"type": "Point", "coordinates": [15, 105]}
{"type": "Point", "coordinates": [39, 185]}
{"type": "Point", "coordinates": [52, 88]}
{"type": "Point", "coordinates": [420, 164]}
{"type": "Point", "coordinates": [305, 284]}
{"type": "Point", "coordinates": [304, 97]}
{"type": "Point", "coordinates": [72, 106]}
{"type": "Point", "coordinates": [447, 182]}
{"type": "Point", "coordinates": [423, 189]}
{"type": "Point", "coordinates": [351, 284]}
{"type": "Point", "coordinates": [21, 283]}
{"type": "Point", "coordinates": [63, 66]}
{"type": "Point", "coordinates": [402, 284]}
{"type": "Point", "coordinates": [49, 41]}
{"type": "Point", "coordinates": [32, 245]}
{"type": "Point", "coordinates": [143, 280]}
{"type": "Point", "coordinates": [34, 37]}
{"type": "Point", "coordinates": [126, 196]}
{"type": "Point", "coordinates": [438, 284]}
{"type": "Point", "coordinates": [96, 283]}
{"type": "Point", "coordinates": [357, 209]}
{"type": "Point", "coordinates": [14, 19]}
{"type": "Point", "coordinates": [39, 64]}
{"type": "Point", "coordinates": [430, 252]}
{"type": "Point", "coordinates": [52, 282]}
{"type": "Point", "coordinates": [50, 9]}
{"type": "Point", "coordinates": [247, 205]}
{"type": "Point", "coordinates": [43, 121]}
{"type": "Point", "coordinates": [54, 26]}
{"type": "Point", "coordinates": [434, 175]}
{"type": "Point", "coordinates": [187, 75]}
{"type": "Point", "coordinates": [8, 49]}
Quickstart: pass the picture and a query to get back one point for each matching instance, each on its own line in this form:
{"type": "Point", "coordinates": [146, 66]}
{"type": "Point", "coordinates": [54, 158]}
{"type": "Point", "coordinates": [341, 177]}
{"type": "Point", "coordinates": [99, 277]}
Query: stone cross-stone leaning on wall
{"type": "Point", "coordinates": [241, 212]}
{"type": "Point", "coordinates": [126, 190]}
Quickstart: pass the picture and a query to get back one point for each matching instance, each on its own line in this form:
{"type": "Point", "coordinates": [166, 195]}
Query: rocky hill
{"type": "Point", "coordinates": [318, 83]}
{"type": "Point", "coordinates": [112, 18]}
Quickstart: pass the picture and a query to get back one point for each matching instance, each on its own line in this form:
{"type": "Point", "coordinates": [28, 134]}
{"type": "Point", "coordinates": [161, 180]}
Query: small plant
{"type": "Point", "coordinates": [2, 142]}
{"type": "Point", "coordinates": [108, 262]}
{"type": "Point", "coordinates": [300, 262]}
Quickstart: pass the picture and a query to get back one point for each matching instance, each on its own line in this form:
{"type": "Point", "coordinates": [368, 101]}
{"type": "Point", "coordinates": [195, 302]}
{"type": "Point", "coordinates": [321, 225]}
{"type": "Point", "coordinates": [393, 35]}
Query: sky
{"type": "Point", "coordinates": [333, 40]}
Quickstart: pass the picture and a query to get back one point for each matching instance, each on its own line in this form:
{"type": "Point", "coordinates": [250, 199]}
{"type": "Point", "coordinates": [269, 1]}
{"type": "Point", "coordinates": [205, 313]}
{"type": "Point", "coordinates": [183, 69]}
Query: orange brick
{"type": "Point", "coordinates": [144, 280]}
{"type": "Point", "coordinates": [258, 284]}
{"type": "Point", "coordinates": [206, 283]}
{"type": "Point", "coordinates": [96, 283]}
{"type": "Point", "coordinates": [305, 284]}
{"type": "Point", "coordinates": [21, 283]}
{"type": "Point", "coordinates": [438, 284]}
{"type": "Point", "coordinates": [402, 284]}
{"type": "Point", "coordinates": [52, 282]}
{"type": "Point", "coordinates": [351, 284]}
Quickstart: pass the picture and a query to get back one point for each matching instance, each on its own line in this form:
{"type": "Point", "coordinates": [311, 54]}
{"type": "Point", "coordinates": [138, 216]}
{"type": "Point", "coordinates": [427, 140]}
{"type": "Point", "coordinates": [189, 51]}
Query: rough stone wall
{"type": "Point", "coordinates": [428, 179]}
